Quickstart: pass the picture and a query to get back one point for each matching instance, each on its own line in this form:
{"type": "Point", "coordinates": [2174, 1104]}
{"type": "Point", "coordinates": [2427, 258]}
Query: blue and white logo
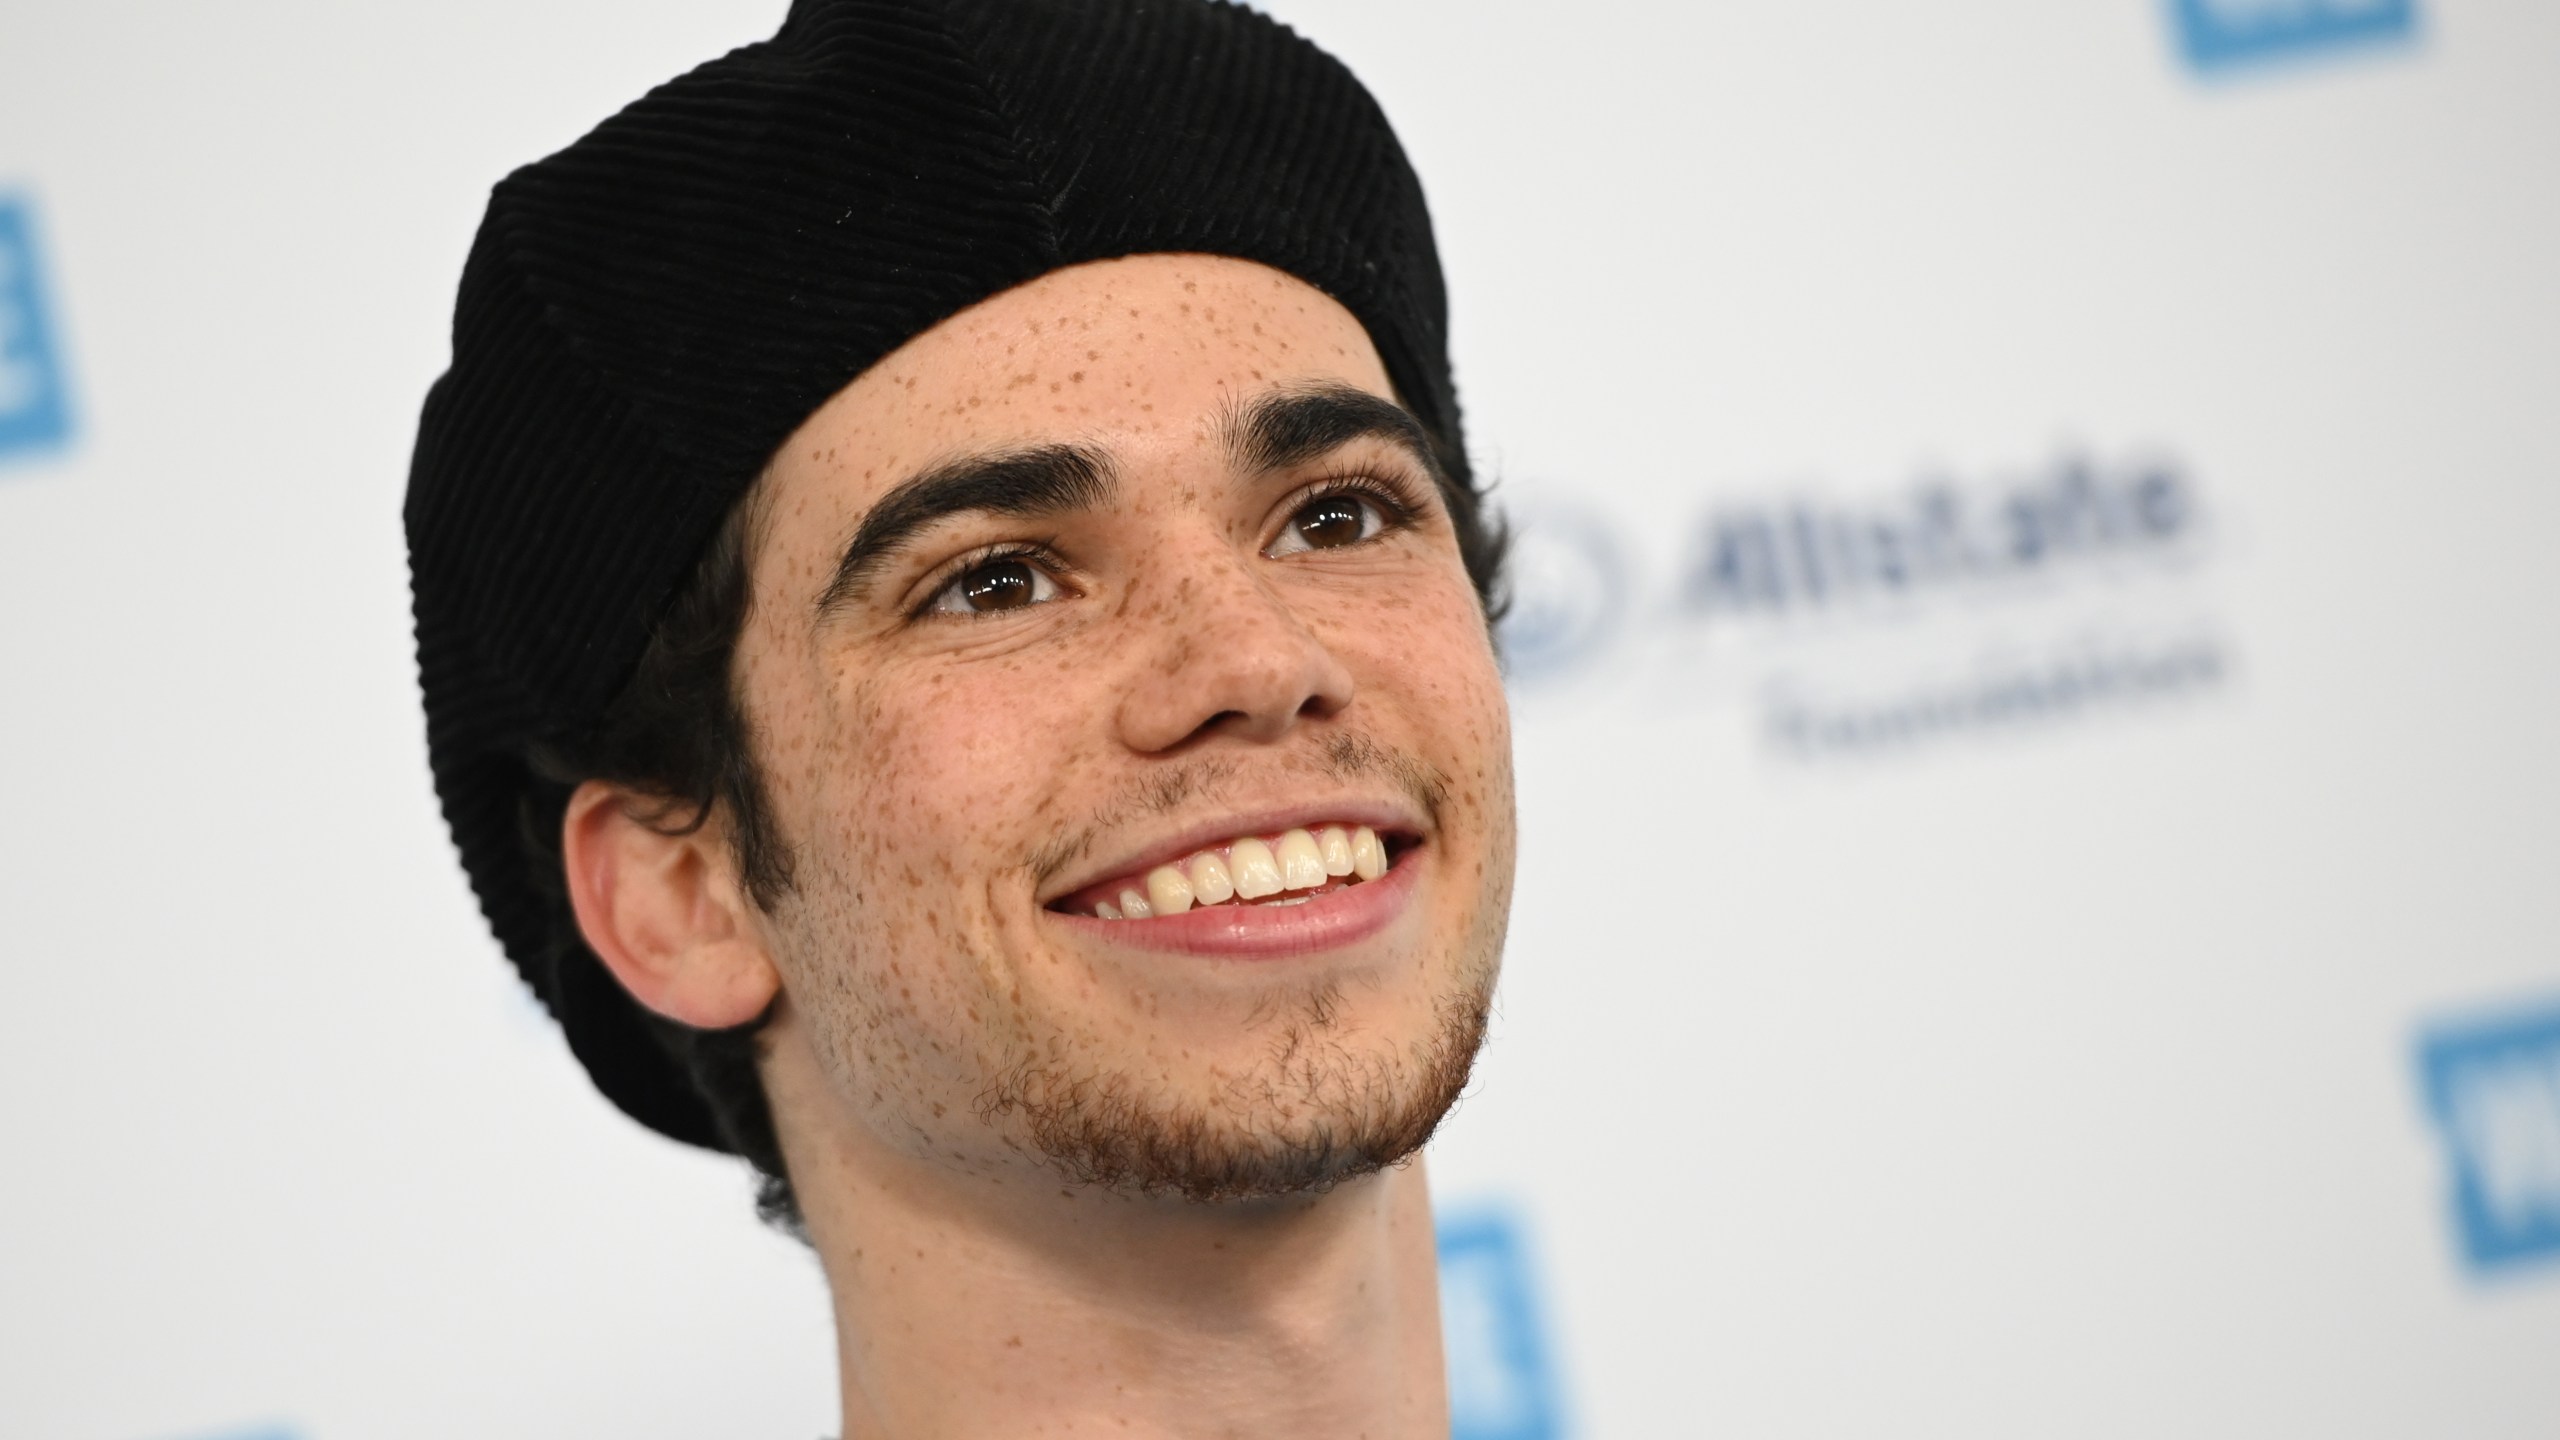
{"type": "Point", "coordinates": [1568, 582]}
{"type": "Point", "coordinates": [2218, 34]}
{"type": "Point", "coordinates": [1502, 1382]}
{"type": "Point", "coordinates": [1774, 561]}
{"type": "Point", "coordinates": [2493, 1088]}
{"type": "Point", "coordinates": [34, 412]}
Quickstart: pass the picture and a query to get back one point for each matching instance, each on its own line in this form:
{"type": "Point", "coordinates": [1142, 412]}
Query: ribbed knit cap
{"type": "Point", "coordinates": [648, 314]}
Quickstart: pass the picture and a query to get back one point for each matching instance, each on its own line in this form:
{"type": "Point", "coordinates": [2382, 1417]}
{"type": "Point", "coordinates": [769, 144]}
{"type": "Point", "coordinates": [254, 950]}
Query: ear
{"type": "Point", "coordinates": [664, 910]}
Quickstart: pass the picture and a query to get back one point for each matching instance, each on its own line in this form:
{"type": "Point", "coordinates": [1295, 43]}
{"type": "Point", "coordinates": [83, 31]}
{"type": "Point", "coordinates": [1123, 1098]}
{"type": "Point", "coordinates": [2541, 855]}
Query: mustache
{"type": "Point", "coordinates": [1344, 757]}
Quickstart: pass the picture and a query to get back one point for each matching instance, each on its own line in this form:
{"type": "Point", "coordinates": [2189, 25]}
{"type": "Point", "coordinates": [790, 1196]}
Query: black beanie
{"type": "Point", "coordinates": [647, 315]}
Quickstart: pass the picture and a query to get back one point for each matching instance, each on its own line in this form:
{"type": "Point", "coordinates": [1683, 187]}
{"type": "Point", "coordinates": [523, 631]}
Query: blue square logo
{"type": "Point", "coordinates": [1501, 1375]}
{"type": "Point", "coordinates": [2218, 34]}
{"type": "Point", "coordinates": [2493, 1090]}
{"type": "Point", "coordinates": [35, 413]}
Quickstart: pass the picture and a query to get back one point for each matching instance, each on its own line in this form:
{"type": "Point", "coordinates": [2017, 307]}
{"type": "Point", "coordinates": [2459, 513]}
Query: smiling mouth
{"type": "Point", "coordinates": [1289, 868]}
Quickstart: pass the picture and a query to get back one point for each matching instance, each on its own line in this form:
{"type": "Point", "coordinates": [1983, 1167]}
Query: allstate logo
{"type": "Point", "coordinates": [2493, 1088]}
{"type": "Point", "coordinates": [34, 413]}
{"type": "Point", "coordinates": [2215, 34]}
{"type": "Point", "coordinates": [2076, 513]}
{"type": "Point", "coordinates": [1569, 586]}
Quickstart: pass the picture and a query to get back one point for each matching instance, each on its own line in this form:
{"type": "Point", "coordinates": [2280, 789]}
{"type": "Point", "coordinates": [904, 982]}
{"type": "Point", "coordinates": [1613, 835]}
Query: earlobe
{"type": "Point", "coordinates": [664, 910]}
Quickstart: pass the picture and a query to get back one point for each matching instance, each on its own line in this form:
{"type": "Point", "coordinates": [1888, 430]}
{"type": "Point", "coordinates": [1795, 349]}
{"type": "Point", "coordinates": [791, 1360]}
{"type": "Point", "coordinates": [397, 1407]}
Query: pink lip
{"type": "Point", "coordinates": [1268, 932]}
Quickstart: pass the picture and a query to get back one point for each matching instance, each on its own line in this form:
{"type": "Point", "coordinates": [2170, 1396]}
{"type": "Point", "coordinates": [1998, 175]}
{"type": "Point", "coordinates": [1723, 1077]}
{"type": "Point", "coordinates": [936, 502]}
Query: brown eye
{"type": "Point", "coordinates": [1329, 522]}
{"type": "Point", "coordinates": [1010, 583]}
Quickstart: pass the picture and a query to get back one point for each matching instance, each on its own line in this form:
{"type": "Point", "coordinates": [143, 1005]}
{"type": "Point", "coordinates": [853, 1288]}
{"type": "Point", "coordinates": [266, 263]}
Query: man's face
{"type": "Point", "coordinates": [1128, 574]}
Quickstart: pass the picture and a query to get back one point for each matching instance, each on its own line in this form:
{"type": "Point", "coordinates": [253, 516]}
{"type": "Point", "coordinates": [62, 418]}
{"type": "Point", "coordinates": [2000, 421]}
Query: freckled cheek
{"type": "Point", "coordinates": [1428, 677]}
{"type": "Point", "coordinates": [1422, 642]}
{"type": "Point", "coordinates": [961, 775]}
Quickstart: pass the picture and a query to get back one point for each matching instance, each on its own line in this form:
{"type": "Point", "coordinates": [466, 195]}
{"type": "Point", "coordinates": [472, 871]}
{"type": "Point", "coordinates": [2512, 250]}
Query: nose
{"type": "Point", "coordinates": [1226, 654]}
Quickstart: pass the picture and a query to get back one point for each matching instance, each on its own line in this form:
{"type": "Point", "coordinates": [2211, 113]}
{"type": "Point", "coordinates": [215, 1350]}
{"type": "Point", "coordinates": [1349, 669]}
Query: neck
{"type": "Point", "coordinates": [996, 1305]}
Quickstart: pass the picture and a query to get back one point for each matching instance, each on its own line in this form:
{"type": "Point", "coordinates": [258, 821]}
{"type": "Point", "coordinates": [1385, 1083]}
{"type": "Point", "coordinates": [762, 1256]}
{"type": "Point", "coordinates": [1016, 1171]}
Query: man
{"type": "Point", "coordinates": [953, 621]}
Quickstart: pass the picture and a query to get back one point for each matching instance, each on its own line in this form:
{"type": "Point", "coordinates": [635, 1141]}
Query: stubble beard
{"type": "Point", "coordinates": [1319, 1109]}
{"type": "Point", "coordinates": [1326, 1101]}
{"type": "Point", "coordinates": [1314, 1114]}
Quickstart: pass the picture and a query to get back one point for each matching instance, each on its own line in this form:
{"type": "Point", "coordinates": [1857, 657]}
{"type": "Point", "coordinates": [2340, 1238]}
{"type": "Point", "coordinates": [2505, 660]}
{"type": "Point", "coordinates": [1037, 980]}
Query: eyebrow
{"type": "Point", "coordinates": [1043, 480]}
{"type": "Point", "coordinates": [1306, 422]}
{"type": "Point", "coordinates": [1274, 431]}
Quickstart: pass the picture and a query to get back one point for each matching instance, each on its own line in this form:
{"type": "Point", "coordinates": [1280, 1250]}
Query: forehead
{"type": "Point", "coordinates": [1139, 357]}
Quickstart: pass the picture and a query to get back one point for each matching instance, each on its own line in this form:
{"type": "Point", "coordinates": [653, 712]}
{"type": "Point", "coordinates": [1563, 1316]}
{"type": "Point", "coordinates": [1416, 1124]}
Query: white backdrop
{"type": "Point", "coordinates": [2038, 667]}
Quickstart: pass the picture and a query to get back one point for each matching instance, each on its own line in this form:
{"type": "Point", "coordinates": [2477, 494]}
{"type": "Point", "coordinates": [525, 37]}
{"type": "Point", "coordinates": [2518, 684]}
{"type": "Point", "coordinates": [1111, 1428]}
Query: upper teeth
{"type": "Point", "coordinates": [1251, 868]}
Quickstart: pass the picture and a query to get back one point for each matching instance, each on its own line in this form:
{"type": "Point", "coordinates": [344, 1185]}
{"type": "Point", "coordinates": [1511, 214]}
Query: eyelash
{"type": "Point", "coordinates": [1399, 503]}
{"type": "Point", "coordinates": [1398, 500]}
{"type": "Point", "coordinates": [1042, 553]}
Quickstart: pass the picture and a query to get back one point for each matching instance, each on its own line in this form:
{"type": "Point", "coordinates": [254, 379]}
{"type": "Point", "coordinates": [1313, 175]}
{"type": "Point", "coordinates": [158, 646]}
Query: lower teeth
{"type": "Point", "coordinates": [1239, 902]}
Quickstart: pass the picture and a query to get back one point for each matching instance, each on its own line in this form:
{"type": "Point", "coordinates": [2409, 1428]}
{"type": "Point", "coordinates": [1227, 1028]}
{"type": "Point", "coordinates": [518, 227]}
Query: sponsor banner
{"type": "Point", "coordinates": [1502, 1374]}
{"type": "Point", "coordinates": [2219, 35]}
{"type": "Point", "coordinates": [35, 411]}
{"type": "Point", "coordinates": [1854, 623]}
{"type": "Point", "coordinates": [2492, 1087]}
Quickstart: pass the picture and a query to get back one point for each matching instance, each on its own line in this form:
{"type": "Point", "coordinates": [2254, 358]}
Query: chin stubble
{"type": "Point", "coordinates": [1313, 1112]}
{"type": "Point", "coordinates": [1314, 1115]}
